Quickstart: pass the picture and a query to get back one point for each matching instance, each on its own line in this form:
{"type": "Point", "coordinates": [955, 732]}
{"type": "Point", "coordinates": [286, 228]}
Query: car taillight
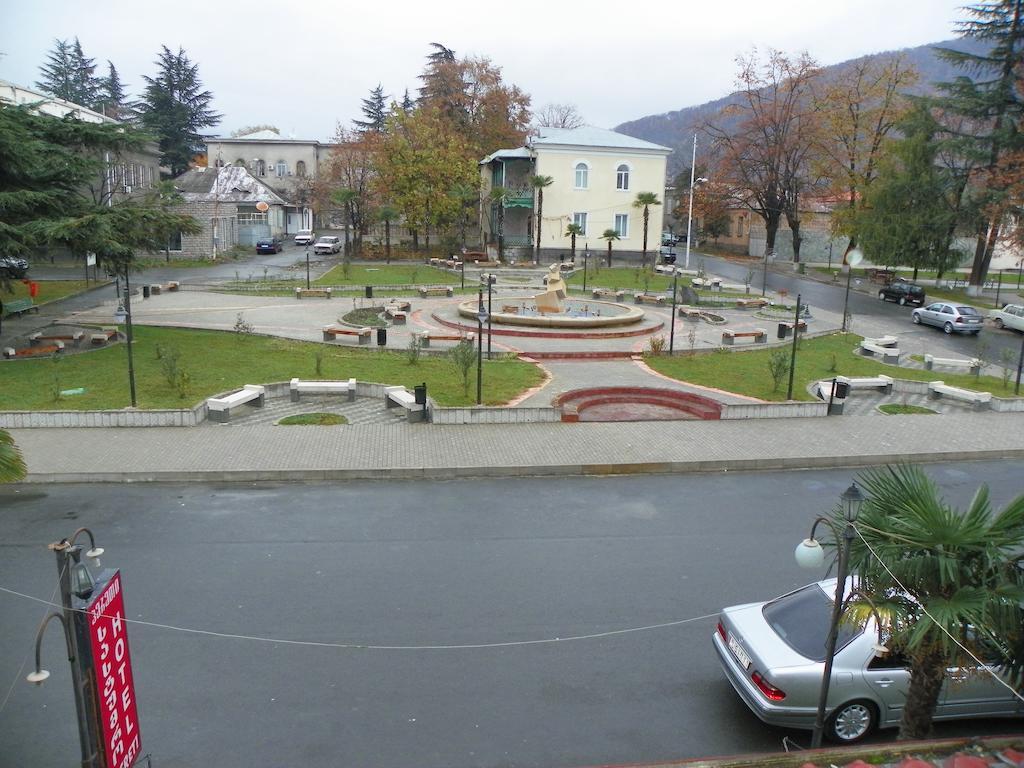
{"type": "Point", "coordinates": [959, 320]}
{"type": "Point", "coordinates": [721, 631]}
{"type": "Point", "coordinates": [769, 690]}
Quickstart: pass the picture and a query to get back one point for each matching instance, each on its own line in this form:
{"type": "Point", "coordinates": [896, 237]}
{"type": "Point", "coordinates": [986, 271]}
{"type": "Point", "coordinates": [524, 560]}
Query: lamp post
{"type": "Point", "coordinates": [123, 314]}
{"type": "Point", "coordinates": [586, 256]}
{"type": "Point", "coordinates": [490, 279]}
{"type": "Point", "coordinates": [689, 213]}
{"type": "Point", "coordinates": [792, 357]}
{"type": "Point", "coordinates": [307, 266]}
{"type": "Point", "coordinates": [853, 258]}
{"type": "Point", "coordinates": [1020, 366]}
{"type": "Point", "coordinates": [481, 316]}
{"type": "Point", "coordinates": [671, 259]}
{"type": "Point", "coordinates": [809, 554]}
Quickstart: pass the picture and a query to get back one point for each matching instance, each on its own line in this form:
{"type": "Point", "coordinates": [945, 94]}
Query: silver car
{"type": "Point", "coordinates": [773, 654]}
{"type": "Point", "coordinates": [952, 318]}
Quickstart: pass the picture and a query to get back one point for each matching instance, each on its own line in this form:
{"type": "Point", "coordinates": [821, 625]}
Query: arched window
{"type": "Point", "coordinates": [282, 168]}
{"type": "Point", "coordinates": [240, 163]}
{"type": "Point", "coordinates": [300, 168]}
{"type": "Point", "coordinates": [622, 177]}
{"type": "Point", "coordinates": [582, 174]}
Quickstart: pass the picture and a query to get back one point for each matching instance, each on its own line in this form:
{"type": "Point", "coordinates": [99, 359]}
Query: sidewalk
{"type": "Point", "coordinates": [425, 451]}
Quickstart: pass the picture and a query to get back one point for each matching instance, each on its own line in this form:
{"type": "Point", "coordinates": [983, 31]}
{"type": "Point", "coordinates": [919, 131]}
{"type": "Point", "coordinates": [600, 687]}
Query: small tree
{"type": "Point", "coordinates": [387, 214]}
{"type": "Point", "coordinates": [778, 367]}
{"type": "Point", "coordinates": [571, 232]}
{"type": "Point", "coordinates": [609, 235]}
{"type": "Point", "coordinates": [645, 200]}
{"type": "Point", "coordinates": [539, 183]}
{"type": "Point", "coordinates": [463, 355]}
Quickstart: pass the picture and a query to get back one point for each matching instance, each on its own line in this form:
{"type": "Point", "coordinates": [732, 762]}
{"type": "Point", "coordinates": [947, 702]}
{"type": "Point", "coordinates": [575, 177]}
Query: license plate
{"type": "Point", "coordinates": [739, 653]}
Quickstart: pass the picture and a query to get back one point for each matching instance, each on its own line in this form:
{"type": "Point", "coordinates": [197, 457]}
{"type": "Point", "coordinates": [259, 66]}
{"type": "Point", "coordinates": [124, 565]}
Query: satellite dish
{"type": "Point", "coordinates": [262, 207]}
{"type": "Point", "coordinates": [853, 258]}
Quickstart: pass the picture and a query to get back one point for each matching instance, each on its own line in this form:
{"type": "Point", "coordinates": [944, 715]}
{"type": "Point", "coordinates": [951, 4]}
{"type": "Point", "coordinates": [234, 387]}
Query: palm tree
{"type": "Point", "coordinates": [609, 235]}
{"type": "Point", "coordinates": [941, 579]}
{"type": "Point", "coordinates": [645, 200]}
{"type": "Point", "coordinates": [387, 214]}
{"type": "Point", "coordinates": [498, 197]}
{"type": "Point", "coordinates": [572, 231]}
{"type": "Point", "coordinates": [539, 183]}
{"type": "Point", "coordinates": [12, 465]}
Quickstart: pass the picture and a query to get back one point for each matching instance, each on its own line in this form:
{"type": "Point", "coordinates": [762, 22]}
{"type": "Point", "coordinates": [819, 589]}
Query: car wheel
{"type": "Point", "coordinates": [903, 301]}
{"type": "Point", "coordinates": [998, 322]}
{"type": "Point", "coordinates": [948, 328]}
{"type": "Point", "coordinates": [851, 722]}
{"type": "Point", "coordinates": [916, 318]}
{"type": "Point", "coordinates": [881, 295]}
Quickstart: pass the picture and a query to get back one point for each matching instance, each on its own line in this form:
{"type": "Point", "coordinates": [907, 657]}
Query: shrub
{"type": "Point", "coordinates": [463, 355]}
{"type": "Point", "coordinates": [778, 367]}
{"type": "Point", "coordinates": [318, 360]}
{"type": "Point", "coordinates": [412, 352]}
{"type": "Point", "coordinates": [241, 326]}
{"type": "Point", "coordinates": [656, 344]}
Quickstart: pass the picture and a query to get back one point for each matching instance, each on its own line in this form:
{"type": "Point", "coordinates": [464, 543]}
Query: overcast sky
{"type": "Point", "coordinates": [305, 65]}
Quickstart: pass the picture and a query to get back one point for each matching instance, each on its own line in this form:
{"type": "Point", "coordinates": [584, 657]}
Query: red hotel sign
{"type": "Point", "coordinates": [112, 664]}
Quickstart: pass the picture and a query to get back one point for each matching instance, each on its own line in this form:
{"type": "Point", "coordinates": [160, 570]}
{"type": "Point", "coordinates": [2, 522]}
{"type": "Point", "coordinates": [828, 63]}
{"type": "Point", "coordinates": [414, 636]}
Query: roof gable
{"type": "Point", "coordinates": [231, 183]}
{"type": "Point", "coordinates": [590, 136]}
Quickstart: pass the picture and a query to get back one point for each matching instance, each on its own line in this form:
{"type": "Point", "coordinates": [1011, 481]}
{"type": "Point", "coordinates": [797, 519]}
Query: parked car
{"type": "Point", "coordinates": [13, 267]}
{"type": "Point", "coordinates": [773, 653]}
{"type": "Point", "coordinates": [902, 292]}
{"type": "Point", "coordinates": [269, 245]}
{"type": "Point", "coordinates": [305, 237]}
{"type": "Point", "coordinates": [327, 244]}
{"type": "Point", "coordinates": [952, 318]}
{"type": "Point", "coordinates": [1010, 316]}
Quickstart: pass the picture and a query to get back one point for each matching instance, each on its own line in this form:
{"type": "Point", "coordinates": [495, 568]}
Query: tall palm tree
{"type": "Point", "coordinates": [499, 195]}
{"type": "Point", "coordinates": [539, 183]}
{"type": "Point", "coordinates": [645, 200]}
{"type": "Point", "coordinates": [12, 465]}
{"type": "Point", "coordinates": [387, 214]}
{"type": "Point", "coordinates": [941, 579]}
{"type": "Point", "coordinates": [571, 232]}
{"type": "Point", "coordinates": [609, 235]}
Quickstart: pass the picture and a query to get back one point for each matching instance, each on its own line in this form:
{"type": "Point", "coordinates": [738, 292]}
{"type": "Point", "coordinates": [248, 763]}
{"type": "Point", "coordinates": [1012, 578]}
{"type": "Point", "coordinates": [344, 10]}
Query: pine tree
{"type": "Point", "coordinates": [58, 72]}
{"type": "Point", "coordinates": [111, 96]}
{"type": "Point", "coordinates": [408, 105]}
{"type": "Point", "coordinates": [375, 111]}
{"type": "Point", "coordinates": [84, 82]}
{"type": "Point", "coordinates": [174, 108]}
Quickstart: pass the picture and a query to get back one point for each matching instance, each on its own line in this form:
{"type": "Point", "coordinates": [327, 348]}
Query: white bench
{"type": "Point", "coordinates": [437, 290]}
{"type": "Point", "coordinates": [888, 354]}
{"type": "Point", "coordinates": [883, 341]}
{"type": "Point", "coordinates": [425, 337]}
{"type": "Point", "coordinates": [299, 387]}
{"type": "Point", "coordinates": [972, 366]}
{"type": "Point", "coordinates": [882, 382]}
{"type": "Point", "coordinates": [980, 400]}
{"type": "Point", "coordinates": [38, 337]}
{"type": "Point", "coordinates": [219, 408]}
{"type": "Point", "coordinates": [667, 269]}
{"type": "Point", "coordinates": [331, 333]}
{"type": "Point", "coordinates": [759, 335]}
{"type": "Point", "coordinates": [711, 282]}
{"type": "Point", "coordinates": [400, 397]}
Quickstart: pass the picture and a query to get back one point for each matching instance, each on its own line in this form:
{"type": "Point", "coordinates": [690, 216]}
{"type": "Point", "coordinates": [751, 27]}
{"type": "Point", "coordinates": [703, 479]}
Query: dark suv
{"type": "Point", "coordinates": [902, 293]}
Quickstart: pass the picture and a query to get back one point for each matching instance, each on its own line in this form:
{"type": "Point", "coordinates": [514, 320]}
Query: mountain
{"type": "Point", "coordinates": [676, 129]}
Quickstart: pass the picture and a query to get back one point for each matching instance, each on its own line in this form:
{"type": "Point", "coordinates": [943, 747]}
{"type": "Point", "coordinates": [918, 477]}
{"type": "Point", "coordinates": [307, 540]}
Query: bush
{"type": "Point", "coordinates": [778, 367]}
{"type": "Point", "coordinates": [656, 344]}
{"type": "Point", "coordinates": [463, 355]}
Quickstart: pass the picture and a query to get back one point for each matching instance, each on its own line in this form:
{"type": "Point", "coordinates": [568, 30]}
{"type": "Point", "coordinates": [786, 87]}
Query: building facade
{"type": "Point", "coordinates": [596, 175]}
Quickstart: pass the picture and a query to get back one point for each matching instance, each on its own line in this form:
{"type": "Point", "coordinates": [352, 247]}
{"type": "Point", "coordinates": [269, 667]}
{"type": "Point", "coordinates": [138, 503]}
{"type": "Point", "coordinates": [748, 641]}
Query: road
{"type": "Point", "coordinates": [503, 568]}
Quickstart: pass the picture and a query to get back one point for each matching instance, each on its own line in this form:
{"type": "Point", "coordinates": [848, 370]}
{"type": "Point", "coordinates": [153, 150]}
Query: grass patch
{"type": "Point", "coordinates": [385, 274]}
{"type": "Point", "coordinates": [622, 279]}
{"type": "Point", "coordinates": [314, 419]}
{"type": "Point", "coordinates": [365, 316]}
{"type": "Point", "coordinates": [746, 372]}
{"type": "Point", "coordinates": [894, 409]}
{"type": "Point", "coordinates": [49, 290]}
{"type": "Point", "coordinates": [217, 361]}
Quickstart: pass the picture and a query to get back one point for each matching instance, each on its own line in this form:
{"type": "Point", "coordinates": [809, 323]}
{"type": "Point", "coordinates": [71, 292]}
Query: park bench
{"type": "Point", "coordinates": [396, 316]}
{"type": "Point", "coordinates": [881, 382]}
{"type": "Point", "coordinates": [219, 408]}
{"type": "Point", "coordinates": [787, 327]}
{"type": "Point", "coordinates": [41, 351]}
{"type": "Point", "coordinates": [38, 337]}
{"type": "Point", "coordinates": [436, 290]}
{"type": "Point", "coordinates": [299, 387]}
{"type": "Point", "coordinates": [103, 336]}
{"type": "Point", "coordinates": [759, 335]}
{"type": "Point", "coordinates": [883, 341]}
{"type": "Point", "coordinates": [706, 282]}
{"type": "Point", "coordinates": [19, 306]}
{"type": "Point", "coordinates": [648, 298]}
{"type": "Point", "coordinates": [690, 313]}
{"type": "Point", "coordinates": [331, 333]}
{"type": "Point", "coordinates": [972, 366]}
{"type": "Point", "coordinates": [511, 309]}
{"type": "Point", "coordinates": [667, 269]}
{"type": "Point", "coordinates": [607, 293]}
{"type": "Point", "coordinates": [313, 293]}
{"type": "Point", "coordinates": [757, 303]}
{"type": "Point", "coordinates": [425, 337]}
{"type": "Point", "coordinates": [400, 397]}
{"type": "Point", "coordinates": [938, 389]}
{"type": "Point", "coordinates": [156, 288]}
{"type": "Point", "coordinates": [888, 354]}
{"type": "Point", "coordinates": [399, 304]}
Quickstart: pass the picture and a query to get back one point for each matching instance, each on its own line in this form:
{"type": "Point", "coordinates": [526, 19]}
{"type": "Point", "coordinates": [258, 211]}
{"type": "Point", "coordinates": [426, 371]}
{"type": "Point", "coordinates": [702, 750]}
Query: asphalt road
{"type": "Point", "coordinates": [511, 570]}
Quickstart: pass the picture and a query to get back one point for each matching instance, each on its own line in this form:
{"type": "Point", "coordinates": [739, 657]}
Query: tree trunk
{"type": "Point", "coordinates": [415, 239]}
{"type": "Point", "coordinates": [926, 675]}
{"type": "Point", "coordinates": [794, 228]}
{"type": "Point", "coordinates": [573, 247]}
{"type": "Point", "coordinates": [643, 257]}
{"type": "Point", "coordinates": [982, 258]}
{"type": "Point", "coordinates": [609, 253]}
{"type": "Point", "coordinates": [771, 229]}
{"type": "Point", "coordinates": [501, 230]}
{"type": "Point", "coordinates": [540, 215]}
{"type": "Point", "coordinates": [387, 240]}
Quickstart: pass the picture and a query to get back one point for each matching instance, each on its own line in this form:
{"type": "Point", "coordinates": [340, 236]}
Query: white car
{"type": "Point", "coordinates": [327, 244]}
{"type": "Point", "coordinates": [1010, 316]}
{"type": "Point", "coordinates": [305, 237]}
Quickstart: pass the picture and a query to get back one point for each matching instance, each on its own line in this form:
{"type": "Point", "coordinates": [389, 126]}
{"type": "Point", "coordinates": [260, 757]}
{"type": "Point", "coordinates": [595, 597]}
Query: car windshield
{"type": "Point", "coordinates": [802, 619]}
{"type": "Point", "coordinates": [968, 311]}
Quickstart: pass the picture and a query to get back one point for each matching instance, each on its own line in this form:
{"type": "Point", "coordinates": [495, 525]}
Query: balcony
{"type": "Point", "coordinates": [520, 196]}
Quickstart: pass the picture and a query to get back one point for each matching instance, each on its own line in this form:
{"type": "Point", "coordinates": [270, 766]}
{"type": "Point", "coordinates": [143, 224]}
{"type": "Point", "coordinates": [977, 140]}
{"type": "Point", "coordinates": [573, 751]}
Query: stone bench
{"type": "Point", "coordinates": [710, 282]}
{"type": "Point", "coordinates": [690, 313]}
{"type": "Point", "coordinates": [19, 306]}
{"type": "Point", "coordinates": [972, 366]}
{"type": "Point", "coordinates": [881, 382]}
{"type": "Point", "coordinates": [759, 335]}
{"type": "Point", "coordinates": [298, 387]}
{"type": "Point", "coordinates": [400, 397]}
{"type": "Point", "coordinates": [757, 303]}
{"type": "Point", "coordinates": [607, 293]}
{"type": "Point", "coordinates": [331, 333]}
{"type": "Point", "coordinates": [787, 327]}
{"type": "Point", "coordinates": [75, 338]}
{"type": "Point", "coordinates": [888, 354]}
{"type": "Point", "coordinates": [647, 298]}
{"type": "Point", "coordinates": [313, 293]}
{"type": "Point", "coordinates": [425, 337]}
{"type": "Point", "coordinates": [938, 389]}
{"type": "Point", "coordinates": [157, 288]}
{"type": "Point", "coordinates": [41, 351]}
{"type": "Point", "coordinates": [667, 269]}
{"type": "Point", "coordinates": [219, 408]}
{"type": "Point", "coordinates": [104, 336]}
{"type": "Point", "coordinates": [883, 341]}
{"type": "Point", "coordinates": [436, 290]}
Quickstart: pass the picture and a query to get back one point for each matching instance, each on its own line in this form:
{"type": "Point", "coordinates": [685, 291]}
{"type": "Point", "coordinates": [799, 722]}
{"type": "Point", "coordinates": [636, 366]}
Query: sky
{"type": "Point", "coordinates": [305, 65]}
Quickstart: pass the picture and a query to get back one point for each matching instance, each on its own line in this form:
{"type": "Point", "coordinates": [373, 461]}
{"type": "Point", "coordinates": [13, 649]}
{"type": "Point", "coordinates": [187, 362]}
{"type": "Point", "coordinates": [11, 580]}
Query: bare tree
{"type": "Point", "coordinates": [559, 116]}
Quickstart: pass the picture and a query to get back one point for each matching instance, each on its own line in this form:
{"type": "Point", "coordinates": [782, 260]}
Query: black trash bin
{"type": "Point", "coordinates": [842, 390]}
{"type": "Point", "coordinates": [669, 258]}
{"type": "Point", "coordinates": [382, 335]}
{"type": "Point", "coordinates": [369, 291]}
{"type": "Point", "coordinates": [783, 330]}
{"type": "Point", "coordinates": [145, 291]}
{"type": "Point", "coordinates": [420, 391]}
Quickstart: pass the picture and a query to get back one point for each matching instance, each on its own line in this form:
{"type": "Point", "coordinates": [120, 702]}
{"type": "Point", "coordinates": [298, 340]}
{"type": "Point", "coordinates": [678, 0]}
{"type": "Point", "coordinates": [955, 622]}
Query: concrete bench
{"type": "Point", "coordinates": [647, 298]}
{"type": "Point", "coordinates": [883, 341]}
{"type": "Point", "coordinates": [397, 317]}
{"type": "Point", "coordinates": [75, 338]}
{"type": "Point", "coordinates": [104, 336]}
{"type": "Point", "coordinates": [881, 382]}
{"type": "Point", "coordinates": [313, 293]}
{"type": "Point", "coordinates": [759, 335]}
{"type": "Point", "coordinates": [888, 354]}
{"type": "Point", "coordinates": [299, 387]}
{"type": "Point", "coordinates": [50, 349]}
{"type": "Point", "coordinates": [425, 337]}
{"type": "Point", "coordinates": [757, 303]}
{"type": "Point", "coordinates": [331, 333]}
{"type": "Point", "coordinates": [690, 313]}
{"type": "Point", "coordinates": [219, 408]}
{"type": "Point", "coordinates": [606, 293]}
{"type": "Point", "coordinates": [667, 269]}
{"type": "Point", "coordinates": [436, 290]}
{"type": "Point", "coordinates": [938, 389]}
{"type": "Point", "coordinates": [400, 397]}
{"type": "Point", "coordinates": [972, 366]}
{"type": "Point", "coordinates": [19, 306]}
{"type": "Point", "coordinates": [157, 288]}
{"type": "Point", "coordinates": [707, 282]}
{"type": "Point", "coordinates": [787, 327]}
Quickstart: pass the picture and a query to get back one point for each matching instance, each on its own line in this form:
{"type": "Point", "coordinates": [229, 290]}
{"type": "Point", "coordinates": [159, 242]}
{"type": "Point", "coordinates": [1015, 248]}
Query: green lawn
{"type": "Point", "coordinates": [746, 372]}
{"type": "Point", "coordinates": [49, 290]}
{"type": "Point", "coordinates": [387, 274]}
{"type": "Point", "coordinates": [216, 361]}
{"type": "Point", "coordinates": [313, 419]}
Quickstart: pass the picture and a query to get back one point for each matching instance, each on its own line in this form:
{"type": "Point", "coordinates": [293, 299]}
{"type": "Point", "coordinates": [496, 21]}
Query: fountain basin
{"type": "Point", "coordinates": [578, 313]}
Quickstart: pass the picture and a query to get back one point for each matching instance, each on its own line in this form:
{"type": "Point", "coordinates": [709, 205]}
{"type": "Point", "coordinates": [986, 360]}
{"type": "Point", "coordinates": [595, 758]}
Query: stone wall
{"type": "Point", "coordinates": [201, 245]}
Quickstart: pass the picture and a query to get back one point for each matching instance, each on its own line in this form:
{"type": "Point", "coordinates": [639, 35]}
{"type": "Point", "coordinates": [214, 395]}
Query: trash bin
{"type": "Point", "coordinates": [783, 330]}
{"type": "Point", "coordinates": [369, 291]}
{"type": "Point", "coordinates": [842, 390]}
{"type": "Point", "coordinates": [420, 391]}
{"type": "Point", "coordinates": [669, 258]}
{"type": "Point", "coordinates": [145, 291]}
{"type": "Point", "coordinates": [382, 334]}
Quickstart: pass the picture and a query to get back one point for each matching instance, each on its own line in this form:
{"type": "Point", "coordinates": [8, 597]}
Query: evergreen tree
{"type": "Point", "coordinates": [83, 78]}
{"type": "Point", "coordinates": [408, 105]}
{"type": "Point", "coordinates": [58, 72]}
{"type": "Point", "coordinates": [375, 110]}
{"type": "Point", "coordinates": [174, 108]}
{"type": "Point", "coordinates": [111, 96]}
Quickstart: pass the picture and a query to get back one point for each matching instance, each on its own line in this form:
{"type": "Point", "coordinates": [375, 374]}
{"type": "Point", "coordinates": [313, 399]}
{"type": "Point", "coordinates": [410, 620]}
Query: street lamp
{"type": "Point", "coordinates": [670, 257]}
{"type": "Point", "coordinates": [307, 266]}
{"type": "Point", "coordinates": [482, 315]}
{"type": "Point", "coordinates": [586, 256]}
{"type": "Point", "coordinates": [853, 258]}
{"type": "Point", "coordinates": [792, 357]}
{"type": "Point", "coordinates": [809, 554]}
{"type": "Point", "coordinates": [689, 213]}
{"type": "Point", "coordinates": [123, 314]}
{"type": "Point", "coordinates": [490, 279]}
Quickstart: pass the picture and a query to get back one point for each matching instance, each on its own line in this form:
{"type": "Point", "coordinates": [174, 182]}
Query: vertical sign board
{"type": "Point", "coordinates": [112, 667]}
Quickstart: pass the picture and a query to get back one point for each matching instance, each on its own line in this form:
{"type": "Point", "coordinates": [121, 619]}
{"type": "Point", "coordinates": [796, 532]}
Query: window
{"type": "Point", "coordinates": [622, 177]}
{"type": "Point", "coordinates": [622, 224]}
{"type": "Point", "coordinates": [259, 167]}
{"type": "Point", "coordinates": [300, 168]}
{"type": "Point", "coordinates": [801, 620]}
{"type": "Point", "coordinates": [240, 163]}
{"type": "Point", "coordinates": [174, 241]}
{"type": "Point", "coordinates": [580, 220]}
{"type": "Point", "coordinates": [282, 168]}
{"type": "Point", "coordinates": [582, 172]}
